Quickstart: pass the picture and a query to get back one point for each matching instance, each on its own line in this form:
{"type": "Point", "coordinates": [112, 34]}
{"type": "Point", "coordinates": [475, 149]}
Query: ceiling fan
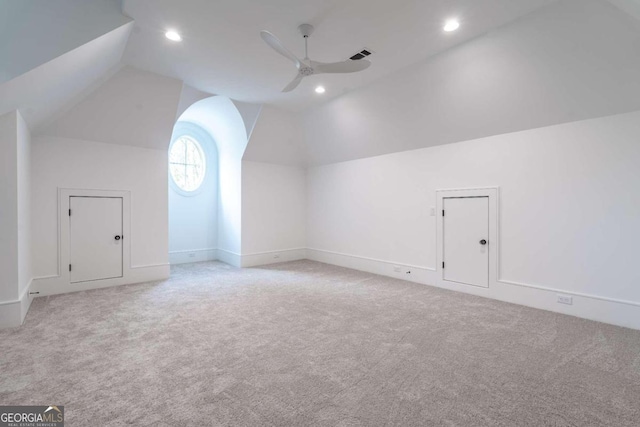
{"type": "Point", "coordinates": [307, 67]}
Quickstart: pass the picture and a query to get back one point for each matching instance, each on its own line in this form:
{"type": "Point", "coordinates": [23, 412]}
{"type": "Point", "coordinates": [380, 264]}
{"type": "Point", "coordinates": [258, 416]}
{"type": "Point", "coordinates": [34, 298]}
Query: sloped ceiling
{"type": "Point", "coordinates": [573, 60]}
{"type": "Point", "coordinates": [276, 139]}
{"type": "Point", "coordinates": [567, 60]}
{"type": "Point", "coordinates": [48, 89]}
{"type": "Point", "coordinates": [133, 107]}
{"type": "Point", "coordinates": [33, 32]}
{"type": "Point", "coordinates": [632, 7]}
{"type": "Point", "coordinates": [249, 113]}
{"type": "Point", "coordinates": [188, 97]}
{"type": "Point", "coordinates": [222, 51]}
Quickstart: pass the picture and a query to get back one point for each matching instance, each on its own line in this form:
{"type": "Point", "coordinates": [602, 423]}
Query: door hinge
{"type": "Point", "coordinates": [69, 267]}
{"type": "Point", "coordinates": [69, 212]}
{"type": "Point", "coordinates": [442, 212]}
{"type": "Point", "coordinates": [442, 264]}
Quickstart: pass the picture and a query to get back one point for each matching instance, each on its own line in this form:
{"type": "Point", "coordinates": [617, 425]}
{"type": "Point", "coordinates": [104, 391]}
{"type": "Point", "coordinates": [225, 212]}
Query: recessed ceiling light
{"type": "Point", "coordinates": [173, 36]}
{"type": "Point", "coordinates": [451, 25]}
{"type": "Point", "coordinates": [320, 89]}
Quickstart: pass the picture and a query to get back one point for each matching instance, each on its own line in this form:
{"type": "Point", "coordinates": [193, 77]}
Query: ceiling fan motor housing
{"type": "Point", "coordinates": [306, 71]}
{"type": "Point", "coordinates": [306, 29]}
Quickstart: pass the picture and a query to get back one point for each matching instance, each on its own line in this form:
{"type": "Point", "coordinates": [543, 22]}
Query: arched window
{"type": "Point", "coordinates": [187, 164]}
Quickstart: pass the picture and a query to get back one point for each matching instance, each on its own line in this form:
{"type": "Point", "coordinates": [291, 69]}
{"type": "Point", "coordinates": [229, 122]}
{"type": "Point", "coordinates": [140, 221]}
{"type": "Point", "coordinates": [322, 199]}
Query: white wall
{"type": "Point", "coordinates": [75, 164]}
{"type": "Point", "coordinates": [572, 60]}
{"type": "Point", "coordinates": [276, 139]}
{"type": "Point", "coordinates": [221, 119]}
{"type": "Point", "coordinates": [15, 230]}
{"type": "Point", "coordinates": [8, 207]}
{"type": "Point", "coordinates": [569, 209]}
{"type": "Point", "coordinates": [273, 213]}
{"type": "Point", "coordinates": [24, 204]}
{"type": "Point", "coordinates": [193, 218]}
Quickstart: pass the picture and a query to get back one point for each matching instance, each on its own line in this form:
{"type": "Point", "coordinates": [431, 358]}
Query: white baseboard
{"type": "Point", "coordinates": [412, 273]}
{"type": "Point", "coordinates": [273, 257]}
{"type": "Point", "coordinates": [228, 257]}
{"type": "Point", "coordinates": [54, 285]}
{"type": "Point", "coordinates": [195, 255]}
{"type": "Point", "coordinates": [25, 301]}
{"type": "Point", "coordinates": [12, 313]}
{"type": "Point", "coordinates": [592, 307]}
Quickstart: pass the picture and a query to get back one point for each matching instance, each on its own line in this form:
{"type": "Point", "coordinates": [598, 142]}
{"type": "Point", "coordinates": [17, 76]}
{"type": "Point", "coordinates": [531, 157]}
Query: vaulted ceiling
{"type": "Point", "coordinates": [572, 60]}
{"type": "Point", "coordinates": [222, 51]}
{"type": "Point", "coordinates": [512, 65]}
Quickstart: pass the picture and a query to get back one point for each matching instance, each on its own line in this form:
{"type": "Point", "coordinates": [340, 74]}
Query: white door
{"type": "Point", "coordinates": [95, 227]}
{"type": "Point", "coordinates": [466, 240]}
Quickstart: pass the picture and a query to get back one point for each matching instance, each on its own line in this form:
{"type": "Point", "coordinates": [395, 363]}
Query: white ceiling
{"type": "Point", "coordinates": [33, 32]}
{"type": "Point", "coordinates": [133, 107]}
{"type": "Point", "coordinates": [574, 60]}
{"type": "Point", "coordinates": [48, 90]}
{"type": "Point", "coordinates": [222, 51]}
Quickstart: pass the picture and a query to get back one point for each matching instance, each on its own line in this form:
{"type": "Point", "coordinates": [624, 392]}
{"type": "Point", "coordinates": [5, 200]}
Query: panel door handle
{"type": "Point", "coordinates": [118, 237]}
{"type": "Point", "coordinates": [483, 242]}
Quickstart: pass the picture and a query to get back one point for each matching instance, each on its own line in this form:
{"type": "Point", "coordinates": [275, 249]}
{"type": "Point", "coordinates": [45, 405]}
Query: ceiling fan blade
{"type": "Point", "coordinates": [277, 45]}
{"type": "Point", "coordinates": [294, 83]}
{"type": "Point", "coordinates": [348, 66]}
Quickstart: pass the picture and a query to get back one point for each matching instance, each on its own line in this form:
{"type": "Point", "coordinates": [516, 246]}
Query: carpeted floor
{"type": "Point", "coordinates": [304, 343]}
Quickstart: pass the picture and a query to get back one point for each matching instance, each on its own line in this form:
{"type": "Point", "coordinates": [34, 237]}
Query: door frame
{"type": "Point", "coordinates": [493, 195]}
{"type": "Point", "coordinates": [121, 242]}
{"type": "Point", "coordinates": [64, 237]}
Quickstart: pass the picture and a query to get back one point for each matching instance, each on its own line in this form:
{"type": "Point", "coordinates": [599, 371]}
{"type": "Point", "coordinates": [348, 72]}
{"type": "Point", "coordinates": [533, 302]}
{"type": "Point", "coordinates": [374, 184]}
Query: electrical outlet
{"type": "Point", "coordinates": [432, 211]}
{"type": "Point", "coordinates": [192, 255]}
{"type": "Point", "coordinates": [565, 299]}
{"type": "Point", "coordinates": [397, 269]}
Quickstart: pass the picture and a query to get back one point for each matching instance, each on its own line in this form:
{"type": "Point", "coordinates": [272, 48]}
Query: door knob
{"type": "Point", "coordinates": [118, 237]}
{"type": "Point", "coordinates": [483, 242]}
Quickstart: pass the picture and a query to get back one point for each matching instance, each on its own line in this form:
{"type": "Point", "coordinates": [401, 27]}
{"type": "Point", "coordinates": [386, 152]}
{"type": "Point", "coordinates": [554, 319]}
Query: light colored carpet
{"type": "Point", "coordinates": [304, 343]}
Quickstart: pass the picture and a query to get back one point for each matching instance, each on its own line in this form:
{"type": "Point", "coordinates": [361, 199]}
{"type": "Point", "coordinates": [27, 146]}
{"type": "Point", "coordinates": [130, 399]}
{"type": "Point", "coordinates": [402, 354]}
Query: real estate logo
{"type": "Point", "coordinates": [32, 416]}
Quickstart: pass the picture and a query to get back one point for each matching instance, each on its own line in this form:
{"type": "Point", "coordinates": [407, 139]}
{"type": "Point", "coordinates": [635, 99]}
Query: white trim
{"type": "Point", "coordinates": [274, 251]}
{"type": "Point", "coordinates": [577, 294]}
{"type": "Point", "coordinates": [15, 301]}
{"type": "Point", "coordinates": [373, 259]}
{"type": "Point", "coordinates": [10, 313]}
{"type": "Point", "coordinates": [24, 292]}
{"type": "Point", "coordinates": [193, 255]}
{"type": "Point", "coordinates": [25, 301]}
{"type": "Point", "coordinates": [229, 257]}
{"type": "Point", "coordinates": [13, 313]}
{"type": "Point", "coordinates": [63, 213]}
{"type": "Point", "coordinates": [467, 189]}
{"type": "Point", "coordinates": [52, 276]}
{"type": "Point", "coordinates": [592, 307]}
{"type": "Point", "coordinates": [141, 274]}
{"type": "Point", "coordinates": [493, 194]}
{"type": "Point", "coordinates": [186, 251]}
{"type": "Point", "coordinates": [273, 257]}
{"type": "Point", "coordinates": [164, 264]}
{"type": "Point", "coordinates": [60, 282]}
{"type": "Point", "coordinates": [407, 272]}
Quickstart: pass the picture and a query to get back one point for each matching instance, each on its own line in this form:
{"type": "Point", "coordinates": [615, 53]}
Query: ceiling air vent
{"type": "Point", "coordinates": [362, 54]}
